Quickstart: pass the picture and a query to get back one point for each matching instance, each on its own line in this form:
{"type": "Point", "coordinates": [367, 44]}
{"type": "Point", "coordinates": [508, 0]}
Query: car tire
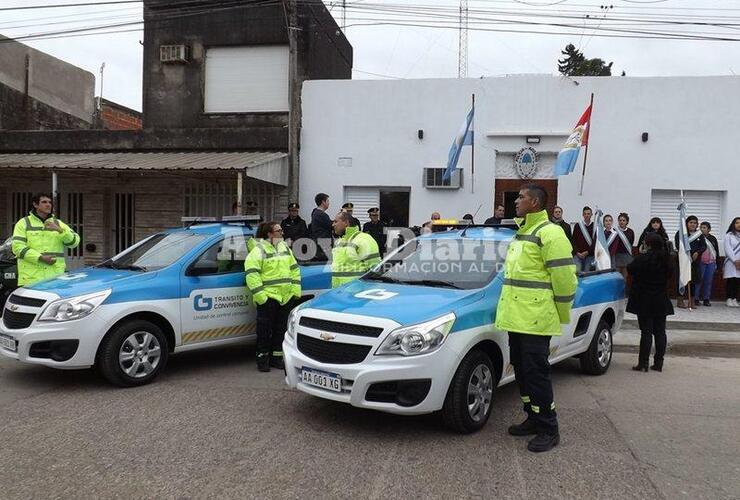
{"type": "Point", "coordinates": [133, 354]}
{"type": "Point", "coordinates": [598, 357]}
{"type": "Point", "coordinates": [469, 398]}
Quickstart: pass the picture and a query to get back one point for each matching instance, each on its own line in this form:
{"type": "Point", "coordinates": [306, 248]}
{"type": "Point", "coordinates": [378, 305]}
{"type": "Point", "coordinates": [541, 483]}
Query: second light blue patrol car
{"type": "Point", "coordinates": [416, 334]}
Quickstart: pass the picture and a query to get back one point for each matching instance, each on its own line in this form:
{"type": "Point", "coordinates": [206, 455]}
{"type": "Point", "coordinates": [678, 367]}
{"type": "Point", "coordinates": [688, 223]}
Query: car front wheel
{"type": "Point", "coordinates": [133, 354]}
{"type": "Point", "coordinates": [470, 396]}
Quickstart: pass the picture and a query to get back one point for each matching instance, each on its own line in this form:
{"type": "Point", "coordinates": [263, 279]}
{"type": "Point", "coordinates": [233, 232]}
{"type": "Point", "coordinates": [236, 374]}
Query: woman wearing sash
{"type": "Point", "coordinates": [624, 243]}
{"type": "Point", "coordinates": [707, 264]}
{"type": "Point", "coordinates": [732, 263]}
{"type": "Point", "coordinates": [610, 234]}
{"type": "Point", "coordinates": [697, 246]}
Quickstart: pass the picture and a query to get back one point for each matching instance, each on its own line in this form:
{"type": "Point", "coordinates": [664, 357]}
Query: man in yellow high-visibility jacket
{"type": "Point", "coordinates": [353, 254]}
{"type": "Point", "coordinates": [274, 280]}
{"type": "Point", "coordinates": [39, 243]}
{"type": "Point", "coordinates": [539, 287]}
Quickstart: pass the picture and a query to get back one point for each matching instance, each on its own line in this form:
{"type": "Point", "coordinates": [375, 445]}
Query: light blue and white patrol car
{"type": "Point", "coordinates": [415, 335]}
{"type": "Point", "coordinates": [177, 290]}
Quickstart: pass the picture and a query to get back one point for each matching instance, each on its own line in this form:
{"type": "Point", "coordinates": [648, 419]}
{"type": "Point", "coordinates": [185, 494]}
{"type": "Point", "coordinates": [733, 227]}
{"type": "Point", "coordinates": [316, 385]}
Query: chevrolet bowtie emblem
{"type": "Point", "coordinates": [13, 307]}
{"type": "Point", "coordinates": [327, 336]}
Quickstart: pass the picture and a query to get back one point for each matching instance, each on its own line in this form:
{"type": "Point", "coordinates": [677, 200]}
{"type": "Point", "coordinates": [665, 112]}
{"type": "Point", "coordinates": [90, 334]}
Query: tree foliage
{"type": "Point", "coordinates": [576, 64]}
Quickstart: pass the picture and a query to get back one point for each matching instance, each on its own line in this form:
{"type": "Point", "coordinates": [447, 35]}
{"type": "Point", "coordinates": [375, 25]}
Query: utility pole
{"type": "Point", "coordinates": [462, 53]}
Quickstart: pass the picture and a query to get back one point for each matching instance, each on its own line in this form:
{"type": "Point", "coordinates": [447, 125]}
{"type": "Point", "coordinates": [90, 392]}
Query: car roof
{"type": "Point", "coordinates": [215, 228]}
{"type": "Point", "coordinates": [474, 233]}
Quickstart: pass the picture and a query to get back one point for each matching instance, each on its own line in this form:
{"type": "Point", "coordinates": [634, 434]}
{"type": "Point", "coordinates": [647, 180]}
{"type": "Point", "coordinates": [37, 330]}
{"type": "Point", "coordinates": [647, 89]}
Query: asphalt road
{"type": "Point", "coordinates": [212, 426]}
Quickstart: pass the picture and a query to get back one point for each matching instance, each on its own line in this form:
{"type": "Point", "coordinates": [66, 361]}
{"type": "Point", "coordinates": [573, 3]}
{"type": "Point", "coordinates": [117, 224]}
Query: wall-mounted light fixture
{"type": "Point", "coordinates": [644, 137]}
{"type": "Point", "coordinates": [533, 139]}
{"type": "Point", "coordinates": [420, 134]}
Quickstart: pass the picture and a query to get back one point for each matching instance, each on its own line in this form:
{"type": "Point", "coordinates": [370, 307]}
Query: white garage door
{"type": "Point", "coordinates": [246, 79]}
{"type": "Point", "coordinates": [706, 205]}
{"type": "Point", "coordinates": [363, 198]}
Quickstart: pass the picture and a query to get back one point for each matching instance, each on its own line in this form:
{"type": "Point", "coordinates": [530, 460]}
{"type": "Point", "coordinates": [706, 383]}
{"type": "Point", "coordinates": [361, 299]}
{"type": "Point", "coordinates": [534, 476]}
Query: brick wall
{"type": "Point", "coordinates": [117, 117]}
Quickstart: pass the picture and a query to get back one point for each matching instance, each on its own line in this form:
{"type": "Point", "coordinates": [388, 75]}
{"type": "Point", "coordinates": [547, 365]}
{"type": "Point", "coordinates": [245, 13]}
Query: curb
{"type": "Point", "coordinates": [689, 325]}
{"type": "Point", "coordinates": [709, 349]}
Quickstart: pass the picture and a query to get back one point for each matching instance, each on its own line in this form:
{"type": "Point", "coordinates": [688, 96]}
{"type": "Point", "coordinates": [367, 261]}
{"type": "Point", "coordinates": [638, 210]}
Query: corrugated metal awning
{"type": "Point", "coordinates": [267, 166]}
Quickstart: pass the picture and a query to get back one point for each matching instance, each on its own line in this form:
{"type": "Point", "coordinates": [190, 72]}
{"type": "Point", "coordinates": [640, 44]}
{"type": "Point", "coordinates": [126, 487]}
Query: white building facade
{"type": "Point", "coordinates": [372, 143]}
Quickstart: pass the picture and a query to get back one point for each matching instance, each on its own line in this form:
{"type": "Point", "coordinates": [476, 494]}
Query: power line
{"type": "Point", "coordinates": [58, 6]}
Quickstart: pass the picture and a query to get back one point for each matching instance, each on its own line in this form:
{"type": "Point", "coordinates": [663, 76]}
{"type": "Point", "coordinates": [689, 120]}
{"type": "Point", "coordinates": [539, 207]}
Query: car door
{"type": "Point", "coordinates": [215, 303]}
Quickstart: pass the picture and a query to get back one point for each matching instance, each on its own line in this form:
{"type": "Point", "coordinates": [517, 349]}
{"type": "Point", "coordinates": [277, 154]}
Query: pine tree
{"type": "Point", "coordinates": [576, 64]}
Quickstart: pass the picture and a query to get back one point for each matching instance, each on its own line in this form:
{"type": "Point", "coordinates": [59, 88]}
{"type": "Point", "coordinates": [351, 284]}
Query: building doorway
{"type": "Point", "coordinates": [394, 208]}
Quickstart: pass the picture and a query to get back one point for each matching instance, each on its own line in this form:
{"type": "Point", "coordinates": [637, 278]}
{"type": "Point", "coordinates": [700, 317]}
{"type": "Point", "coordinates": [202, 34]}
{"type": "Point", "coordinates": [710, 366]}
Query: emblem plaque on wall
{"type": "Point", "coordinates": [525, 162]}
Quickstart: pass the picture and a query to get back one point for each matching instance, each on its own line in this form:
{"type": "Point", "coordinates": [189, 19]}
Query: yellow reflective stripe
{"type": "Point", "coordinates": [565, 298]}
{"type": "Point", "coordinates": [529, 238]}
{"type": "Point", "coordinates": [215, 333]}
{"type": "Point", "coordinates": [568, 261]}
{"type": "Point", "coordinates": [552, 405]}
{"type": "Point", "coordinates": [525, 399]}
{"type": "Point", "coordinates": [544, 285]}
{"type": "Point", "coordinates": [535, 408]}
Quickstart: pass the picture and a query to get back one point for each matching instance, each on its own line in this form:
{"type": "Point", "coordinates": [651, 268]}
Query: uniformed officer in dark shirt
{"type": "Point", "coordinates": [376, 229]}
{"type": "Point", "coordinates": [294, 227]}
{"type": "Point", "coordinates": [348, 208]}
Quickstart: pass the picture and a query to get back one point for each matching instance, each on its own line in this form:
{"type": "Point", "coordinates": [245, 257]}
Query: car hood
{"type": "Point", "coordinates": [89, 280]}
{"type": "Point", "coordinates": [405, 304]}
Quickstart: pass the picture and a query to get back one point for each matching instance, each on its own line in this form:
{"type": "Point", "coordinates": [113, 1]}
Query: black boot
{"type": "Point", "coordinates": [277, 362]}
{"type": "Point", "coordinates": [658, 367]}
{"type": "Point", "coordinates": [526, 428]}
{"type": "Point", "coordinates": [707, 303]}
{"type": "Point", "coordinates": [640, 368]}
{"type": "Point", "coordinates": [544, 441]}
{"type": "Point", "coordinates": [263, 362]}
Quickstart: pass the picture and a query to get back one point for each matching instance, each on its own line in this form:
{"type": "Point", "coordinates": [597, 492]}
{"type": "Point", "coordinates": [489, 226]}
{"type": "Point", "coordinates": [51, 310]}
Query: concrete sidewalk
{"type": "Point", "coordinates": [717, 318]}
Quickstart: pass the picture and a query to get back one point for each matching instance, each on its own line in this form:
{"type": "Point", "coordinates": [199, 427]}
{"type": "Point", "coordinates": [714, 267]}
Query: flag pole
{"type": "Point", "coordinates": [472, 152]}
{"type": "Point", "coordinates": [585, 154]}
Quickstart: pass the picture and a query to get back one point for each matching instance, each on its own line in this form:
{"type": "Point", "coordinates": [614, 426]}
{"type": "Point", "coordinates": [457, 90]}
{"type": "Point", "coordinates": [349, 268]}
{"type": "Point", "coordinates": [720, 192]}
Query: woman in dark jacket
{"type": "Point", "coordinates": [649, 300]}
{"type": "Point", "coordinates": [654, 226]}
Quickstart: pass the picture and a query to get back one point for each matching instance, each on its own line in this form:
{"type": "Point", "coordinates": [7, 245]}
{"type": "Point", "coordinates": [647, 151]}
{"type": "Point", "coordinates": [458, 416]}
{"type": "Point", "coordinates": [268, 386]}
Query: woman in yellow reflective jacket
{"type": "Point", "coordinates": [274, 280]}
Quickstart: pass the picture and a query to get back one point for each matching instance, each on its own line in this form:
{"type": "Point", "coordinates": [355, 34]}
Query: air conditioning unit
{"type": "Point", "coordinates": [174, 53]}
{"type": "Point", "coordinates": [433, 178]}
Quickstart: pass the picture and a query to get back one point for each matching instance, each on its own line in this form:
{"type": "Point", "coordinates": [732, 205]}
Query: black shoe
{"type": "Point", "coordinates": [696, 302]}
{"type": "Point", "coordinates": [657, 368]}
{"type": "Point", "coordinates": [263, 363]}
{"type": "Point", "coordinates": [543, 442]}
{"type": "Point", "coordinates": [277, 362]}
{"type": "Point", "coordinates": [707, 303]}
{"type": "Point", "coordinates": [640, 368]}
{"type": "Point", "coordinates": [526, 428]}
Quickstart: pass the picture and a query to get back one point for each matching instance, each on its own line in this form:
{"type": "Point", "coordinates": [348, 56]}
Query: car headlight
{"type": "Point", "coordinates": [292, 322]}
{"type": "Point", "coordinates": [74, 307]}
{"type": "Point", "coordinates": [417, 339]}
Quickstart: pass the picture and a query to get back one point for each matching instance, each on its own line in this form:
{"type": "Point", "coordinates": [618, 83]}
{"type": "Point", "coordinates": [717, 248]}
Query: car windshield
{"type": "Point", "coordinates": [155, 252]}
{"type": "Point", "coordinates": [463, 263]}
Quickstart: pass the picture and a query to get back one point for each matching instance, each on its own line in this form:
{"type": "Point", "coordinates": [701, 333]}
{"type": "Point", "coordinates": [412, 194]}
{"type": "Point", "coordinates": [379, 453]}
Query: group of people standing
{"type": "Point", "coordinates": [273, 276]}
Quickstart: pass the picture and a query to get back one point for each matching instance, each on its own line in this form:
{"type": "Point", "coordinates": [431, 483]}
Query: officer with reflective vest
{"type": "Point", "coordinates": [274, 280]}
{"type": "Point", "coordinates": [39, 243]}
{"type": "Point", "coordinates": [354, 252]}
{"type": "Point", "coordinates": [539, 287]}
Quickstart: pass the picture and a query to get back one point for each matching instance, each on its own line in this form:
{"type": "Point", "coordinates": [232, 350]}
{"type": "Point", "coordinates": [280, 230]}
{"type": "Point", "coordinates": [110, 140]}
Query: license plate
{"type": "Point", "coordinates": [325, 380]}
{"type": "Point", "coordinates": [7, 343]}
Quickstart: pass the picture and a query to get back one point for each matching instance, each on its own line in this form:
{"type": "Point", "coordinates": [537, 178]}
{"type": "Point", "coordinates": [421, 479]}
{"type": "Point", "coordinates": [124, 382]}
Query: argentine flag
{"type": "Point", "coordinates": [568, 156]}
{"type": "Point", "coordinates": [464, 137]}
{"type": "Point", "coordinates": [601, 249]}
{"type": "Point", "coordinates": [684, 251]}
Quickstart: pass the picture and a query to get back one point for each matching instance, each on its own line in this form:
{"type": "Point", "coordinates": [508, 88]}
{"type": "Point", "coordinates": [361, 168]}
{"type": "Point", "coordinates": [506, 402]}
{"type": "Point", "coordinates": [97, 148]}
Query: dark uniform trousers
{"type": "Point", "coordinates": [529, 356]}
{"type": "Point", "coordinates": [272, 321]}
{"type": "Point", "coordinates": [652, 326]}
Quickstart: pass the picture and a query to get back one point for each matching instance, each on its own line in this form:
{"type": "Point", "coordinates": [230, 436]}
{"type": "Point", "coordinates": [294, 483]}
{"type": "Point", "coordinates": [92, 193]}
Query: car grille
{"type": "Point", "coordinates": [337, 327]}
{"type": "Point", "coordinates": [332, 352]}
{"type": "Point", "coordinates": [15, 320]}
{"type": "Point", "coordinates": [26, 301]}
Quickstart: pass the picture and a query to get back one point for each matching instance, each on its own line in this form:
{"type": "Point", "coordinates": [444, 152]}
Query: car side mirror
{"type": "Point", "coordinates": [202, 267]}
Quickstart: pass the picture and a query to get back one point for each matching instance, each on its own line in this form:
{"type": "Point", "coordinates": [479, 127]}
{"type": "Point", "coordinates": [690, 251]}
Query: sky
{"type": "Point", "coordinates": [392, 51]}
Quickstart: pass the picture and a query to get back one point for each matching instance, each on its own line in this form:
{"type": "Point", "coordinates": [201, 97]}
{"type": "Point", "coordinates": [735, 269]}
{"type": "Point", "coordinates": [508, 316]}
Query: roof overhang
{"type": "Point", "coordinates": [266, 166]}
